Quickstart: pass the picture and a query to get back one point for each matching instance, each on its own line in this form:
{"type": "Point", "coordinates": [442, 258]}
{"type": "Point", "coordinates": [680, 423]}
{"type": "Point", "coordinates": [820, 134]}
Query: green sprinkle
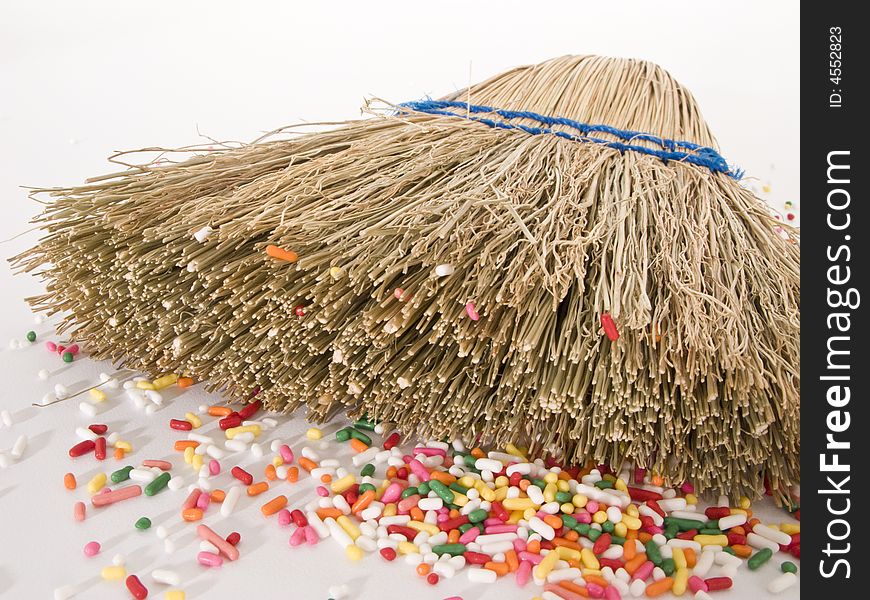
{"type": "Point", "coordinates": [67, 357]}
{"type": "Point", "coordinates": [478, 515]}
{"type": "Point", "coordinates": [364, 424]}
{"type": "Point", "coordinates": [342, 435]}
{"type": "Point", "coordinates": [607, 527]}
{"type": "Point", "coordinates": [604, 484]}
{"type": "Point", "coordinates": [563, 497]}
{"type": "Point", "coordinates": [668, 566]}
{"type": "Point", "coordinates": [569, 521]}
{"type": "Point", "coordinates": [593, 534]}
{"type": "Point", "coordinates": [459, 488]}
{"type": "Point", "coordinates": [759, 558]}
{"type": "Point", "coordinates": [539, 483]}
{"type": "Point", "coordinates": [788, 567]}
{"type": "Point", "coordinates": [653, 553]}
{"type": "Point", "coordinates": [367, 471]}
{"type": "Point", "coordinates": [423, 488]}
{"type": "Point", "coordinates": [158, 484]}
{"type": "Point", "coordinates": [31, 336]}
{"type": "Point", "coordinates": [143, 523]}
{"type": "Point", "coordinates": [583, 528]}
{"type": "Point", "coordinates": [451, 549]}
{"type": "Point", "coordinates": [365, 487]}
{"type": "Point", "coordinates": [465, 527]}
{"type": "Point", "coordinates": [122, 474]}
{"type": "Point", "coordinates": [615, 539]}
{"type": "Point", "coordinates": [729, 550]}
{"type": "Point", "coordinates": [710, 532]}
{"type": "Point", "coordinates": [441, 490]}
{"type": "Point", "coordinates": [409, 491]}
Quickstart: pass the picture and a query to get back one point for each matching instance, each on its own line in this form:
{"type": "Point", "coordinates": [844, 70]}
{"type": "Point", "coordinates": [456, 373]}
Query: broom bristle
{"type": "Point", "coordinates": [544, 235]}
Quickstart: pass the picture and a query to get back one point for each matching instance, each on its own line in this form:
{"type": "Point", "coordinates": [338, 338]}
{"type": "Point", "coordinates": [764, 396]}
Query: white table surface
{"type": "Point", "coordinates": [81, 80]}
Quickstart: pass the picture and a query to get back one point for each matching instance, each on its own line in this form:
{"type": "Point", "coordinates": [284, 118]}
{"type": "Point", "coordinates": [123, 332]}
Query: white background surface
{"type": "Point", "coordinates": [80, 80]}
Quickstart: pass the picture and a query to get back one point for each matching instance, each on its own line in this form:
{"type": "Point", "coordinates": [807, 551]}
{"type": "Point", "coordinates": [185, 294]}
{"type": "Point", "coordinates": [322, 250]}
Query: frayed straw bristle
{"type": "Point", "coordinates": [544, 236]}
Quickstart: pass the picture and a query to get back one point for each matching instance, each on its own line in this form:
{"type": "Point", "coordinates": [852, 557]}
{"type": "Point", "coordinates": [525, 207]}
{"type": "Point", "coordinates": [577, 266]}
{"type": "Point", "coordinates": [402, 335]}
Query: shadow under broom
{"type": "Point", "coordinates": [486, 265]}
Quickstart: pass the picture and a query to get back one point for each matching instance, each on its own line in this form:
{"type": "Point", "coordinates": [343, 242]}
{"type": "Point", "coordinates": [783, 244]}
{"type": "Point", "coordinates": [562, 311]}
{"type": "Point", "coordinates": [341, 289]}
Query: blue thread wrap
{"type": "Point", "coordinates": [676, 150]}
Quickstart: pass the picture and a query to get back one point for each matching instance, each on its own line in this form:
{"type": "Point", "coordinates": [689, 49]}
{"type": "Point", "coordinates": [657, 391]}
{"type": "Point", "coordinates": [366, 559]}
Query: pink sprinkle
{"type": "Point", "coordinates": [73, 349]}
{"type": "Point", "coordinates": [391, 494]}
{"type": "Point", "coordinates": [209, 559]}
{"type": "Point", "coordinates": [643, 571]}
{"type": "Point", "coordinates": [519, 545]}
{"type": "Point", "coordinates": [524, 572]}
{"type": "Point", "coordinates": [203, 501]}
{"type": "Point", "coordinates": [397, 293]}
{"type": "Point", "coordinates": [51, 346]}
{"type": "Point", "coordinates": [501, 529]}
{"type": "Point", "coordinates": [323, 492]}
{"type": "Point", "coordinates": [592, 507]}
{"type": "Point", "coordinates": [532, 558]}
{"type": "Point", "coordinates": [286, 453]}
{"type": "Point", "coordinates": [697, 584]}
{"type": "Point", "coordinates": [583, 517]}
{"type": "Point", "coordinates": [595, 590]}
{"type": "Point", "coordinates": [472, 311]}
{"type": "Point", "coordinates": [297, 537]}
{"type": "Point", "coordinates": [469, 536]}
{"type": "Point", "coordinates": [284, 517]}
{"type": "Point", "coordinates": [687, 488]}
{"type": "Point", "coordinates": [59, 348]}
{"type": "Point", "coordinates": [429, 451]}
{"type": "Point", "coordinates": [311, 537]}
{"type": "Point", "coordinates": [611, 593]}
{"type": "Point", "coordinates": [214, 467]}
{"type": "Point", "coordinates": [91, 548]}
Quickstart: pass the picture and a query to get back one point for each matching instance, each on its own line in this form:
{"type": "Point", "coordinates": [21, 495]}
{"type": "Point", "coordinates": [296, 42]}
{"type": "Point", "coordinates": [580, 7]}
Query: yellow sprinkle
{"type": "Point", "coordinates": [588, 559]}
{"type": "Point", "coordinates": [234, 431]}
{"type": "Point", "coordinates": [460, 499]}
{"type": "Point", "coordinates": [350, 527]}
{"type": "Point", "coordinates": [563, 486]}
{"type": "Point", "coordinates": [501, 481]}
{"type": "Point", "coordinates": [551, 477]}
{"type": "Point", "coordinates": [277, 460]}
{"type": "Point", "coordinates": [313, 433]}
{"type": "Point", "coordinates": [679, 557]}
{"type": "Point", "coordinates": [790, 528]}
{"type": "Point", "coordinates": [550, 492]}
{"type": "Point", "coordinates": [125, 446]}
{"type": "Point", "coordinates": [196, 462]}
{"type": "Point", "coordinates": [599, 517]}
{"type": "Point", "coordinates": [711, 540]}
{"type": "Point", "coordinates": [341, 485]}
{"type": "Point", "coordinates": [354, 553]}
{"type": "Point", "coordinates": [579, 500]}
{"type": "Point", "coordinates": [336, 272]}
{"type": "Point", "coordinates": [621, 485]}
{"type": "Point", "coordinates": [546, 565]}
{"type": "Point", "coordinates": [145, 385]}
{"type": "Point", "coordinates": [681, 577]}
{"type": "Point", "coordinates": [390, 510]}
{"type": "Point", "coordinates": [96, 483]}
{"type": "Point", "coordinates": [567, 508]}
{"type": "Point", "coordinates": [165, 381]}
{"type": "Point", "coordinates": [97, 394]}
{"type": "Point", "coordinates": [529, 513]}
{"type": "Point", "coordinates": [407, 548]}
{"type": "Point", "coordinates": [189, 452]}
{"type": "Point", "coordinates": [518, 503]}
{"type": "Point", "coordinates": [500, 494]}
{"type": "Point", "coordinates": [193, 420]}
{"type": "Point", "coordinates": [566, 553]}
{"type": "Point", "coordinates": [421, 526]}
{"type": "Point", "coordinates": [113, 573]}
{"type": "Point", "coordinates": [744, 502]}
{"type": "Point", "coordinates": [691, 499]}
{"type": "Point", "coordinates": [174, 595]}
{"type": "Point", "coordinates": [631, 510]}
{"type": "Point", "coordinates": [467, 481]}
{"type": "Point", "coordinates": [485, 492]}
{"type": "Point", "coordinates": [620, 529]}
{"type": "Point", "coordinates": [515, 517]}
{"type": "Point", "coordinates": [633, 523]}
{"type": "Point", "coordinates": [514, 451]}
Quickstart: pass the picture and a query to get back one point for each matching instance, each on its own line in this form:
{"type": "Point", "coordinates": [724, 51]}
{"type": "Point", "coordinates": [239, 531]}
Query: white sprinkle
{"type": "Point", "coordinates": [43, 374]}
{"type": "Point", "coordinates": [166, 576]}
{"type": "Point", "coordinates": [202, 235]}
{"type": "Point", "coordinates": [339, 591]}
{"type": "Point", "coordinates": [119, 560]}
{"type": "Point", "coordinates": [444, 270]}
{"type": "Point", "coordinates": [781, 583]}
{"type": "Point", "coordinates": [19, 447]}
{"type": "Point", "coordinates": [65, 592]}
{"type": "Point", "coordinates": [60, 391]}
{"type": "Point", "coordinates": [88, 409]}
{"type": "Point", "coordinates": [6, 418]}
{"type": "Point", "coordinates": [161, 532]}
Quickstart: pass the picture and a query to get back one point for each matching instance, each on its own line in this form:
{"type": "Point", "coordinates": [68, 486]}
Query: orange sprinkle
{"type": "Point", "coordinates": [738, 529]}
{"type": "Point", "coordinates": [631, 535]}
{"type": "Point", "coordinates": [564, 475]}
{"type": "Point", "coordinates": [443, 476]}
{"type": "Point", "coordinates": [553, 521]}
{"type": "Point", "coordinates": [524, 484]}
{"type": "Point", "coordinates": [478, 453]}
{"type": "Point", "coordinates": [453, 536]}
{"type": "Point", "coordinates": [182, 445]}
{"type": "Point", "coordinates": [273, 505]}
{"type": "Point", "coordinates": [391, 472]}
{"type": "Point", "coordinates": [574, 587]}
{"type": "Point", "coordinates": [659, 587]}
{"type": "Point", "coordinates": [119, 454]}
{"type": "Point", "coordinates": [455, 514]}
{"type": "Point", "coordinates": [592, 578]}
{"type": "Point", "coordinates": [566, 543]}
{"type": "Point", "coordinates": [219, 411]}
{"type": "Point", "coordinates": [423, 569]}
{"type": "Point", "coordinates": [740, 550]}
{"type": "Point", "coordinates": [534, 547]}
{"type": "Point", "coordinates": [500, 568]}
{"type": "Point", "coordinates": [323, 513]}
{"type": "Point", "coordinates": [513, 563]}
{"type": "Point", "coordinates": [416, 514]}
{"type": "Point", "coordinates": [644, 537]}
{"type": "Point", "coordinates": [657, 480]}
{"type": "Point", "coordinates": [634, 564]}
{"type": "Point", "coordinates": [281, 254]}
{"type": "Point", "coordinates": [307, 463]}
{"type": "Point", "coordinates": [218, 496]}
{"type": "Point", "coordinates": [293, 474]}
{"type": "Point", "coordinates": [572, 536]}
{"type": "Point", "coordinates": [258, 488]}
{"type": "Point", "coordinates": [691, 557]}
{"type": "Point", "coordinates": [270, 473]}
{"type": "Point", "coordinates": [191, 514]}
{"type": "Point", "coordinates": [184, 382]}
{"type": "Point", "coordinates": [358, 446]}
{"type": "Point", "coordinates": [69, 481]}
{"type": "Point", "coordinates": [363, 501]}
{"type": "Point", "coordinates": [629, 549]}
{"type": "Point", "coordinates": [326, 478]}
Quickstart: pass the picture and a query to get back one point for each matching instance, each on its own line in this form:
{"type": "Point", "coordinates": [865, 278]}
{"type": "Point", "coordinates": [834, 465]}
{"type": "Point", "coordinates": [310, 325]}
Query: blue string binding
{"type": "Point", "coordinates": [677, 150]}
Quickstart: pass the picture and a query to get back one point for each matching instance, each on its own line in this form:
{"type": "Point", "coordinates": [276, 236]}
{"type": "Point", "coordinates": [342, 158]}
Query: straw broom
{"type": "Point", "coordinates": [409, 223]}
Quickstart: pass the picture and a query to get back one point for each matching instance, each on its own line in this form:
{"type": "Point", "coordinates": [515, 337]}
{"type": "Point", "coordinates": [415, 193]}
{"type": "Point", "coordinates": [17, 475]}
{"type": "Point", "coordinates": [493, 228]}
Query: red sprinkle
{"type": "Point", "coordinates": [609, 327]}
{"type": "Point", "coordinates": [137, 590]}
{"type": "Point", "coordinates": [476, 558]}
{"type": "Point", "coordinates": [234, 538]}
{"type": "Point", "coordinates": [98, 428]}
{"type": "Point", "coordinates": [230, 421]}
{"type": "Point", "coordinates": [242, 475]}
{"type": "Point", "coordinates": [180, 425]}
{"type": "Point", "coordinates": [388, 554]}
{"type": "Point", "coordinates": [299, 518]}
{"type": "Point", "coordinates": [718, 583]}
{"type": "Point", "coordinates": [391, 441]}
{"type": "Point", "coordinates": [250, 410]}
{"type": "Point", "coordinates": [100, 448]}
{"type": "Point", "coordinates": [432, 578]}
{"type": "Point", "coordinates": [82, 448]}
